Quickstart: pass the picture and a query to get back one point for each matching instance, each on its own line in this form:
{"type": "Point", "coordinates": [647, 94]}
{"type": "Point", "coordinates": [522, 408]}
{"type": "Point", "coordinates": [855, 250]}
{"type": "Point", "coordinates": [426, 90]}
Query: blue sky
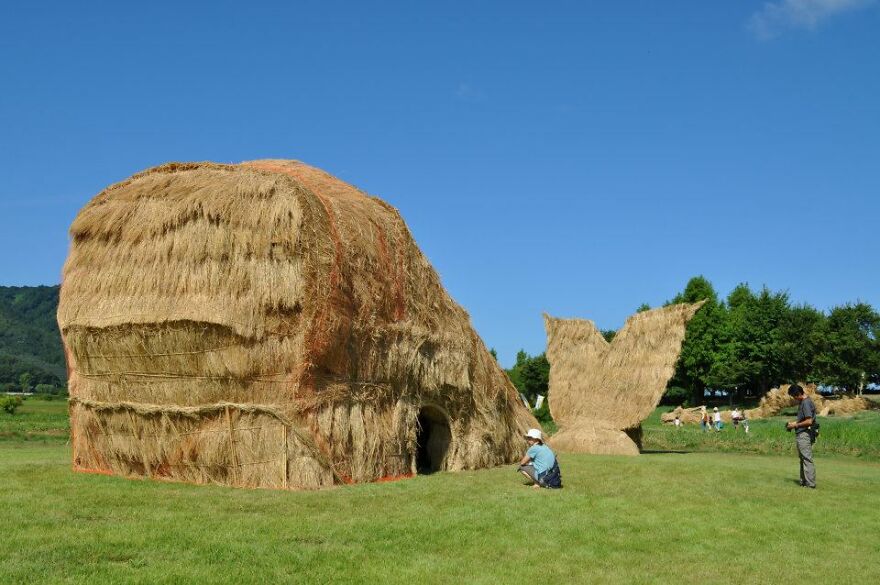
{"type": "Point", "coordinates": [578, 158]}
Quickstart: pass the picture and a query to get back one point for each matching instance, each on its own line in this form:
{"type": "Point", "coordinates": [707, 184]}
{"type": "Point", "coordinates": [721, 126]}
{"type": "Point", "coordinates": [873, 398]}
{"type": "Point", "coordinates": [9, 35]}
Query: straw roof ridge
{"type": "Point", "coordinates": [197, 212]}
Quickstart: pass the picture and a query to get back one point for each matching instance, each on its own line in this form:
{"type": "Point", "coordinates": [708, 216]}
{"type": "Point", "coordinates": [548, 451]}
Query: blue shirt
{"type": "Point", "coordinates": [542, 457]}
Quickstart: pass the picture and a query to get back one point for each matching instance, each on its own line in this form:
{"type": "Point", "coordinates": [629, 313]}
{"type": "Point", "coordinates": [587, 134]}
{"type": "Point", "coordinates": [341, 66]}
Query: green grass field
{"type": "Point", "coordinates": [36, 420]}
{"type": "Point", "coordinates": [658, 518]}
{"type": "Point", "coordinates": [857, 435]}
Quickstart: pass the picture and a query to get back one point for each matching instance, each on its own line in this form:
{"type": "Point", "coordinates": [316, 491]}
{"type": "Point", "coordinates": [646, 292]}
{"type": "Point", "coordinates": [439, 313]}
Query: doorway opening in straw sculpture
{"type": "Point", "coordinates": [433, 438]}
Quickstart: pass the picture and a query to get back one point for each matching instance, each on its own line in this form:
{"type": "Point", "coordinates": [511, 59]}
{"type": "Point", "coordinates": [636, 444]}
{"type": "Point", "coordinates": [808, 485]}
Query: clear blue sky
{"type": "Point", "coordinates": [578, 158]}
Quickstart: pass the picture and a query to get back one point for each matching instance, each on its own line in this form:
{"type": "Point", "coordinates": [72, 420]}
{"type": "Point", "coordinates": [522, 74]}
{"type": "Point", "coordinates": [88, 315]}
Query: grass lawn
{"type": "Point", "coordinates": [36, 420]}
{"type": "Point", "coordinates": [657, 518]}
{"type": "Point", "coordinates": [857, 435]}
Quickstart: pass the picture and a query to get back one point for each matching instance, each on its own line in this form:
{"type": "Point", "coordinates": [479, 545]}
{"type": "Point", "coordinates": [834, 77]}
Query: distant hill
{"type": "Point", "coordinates": [29, 336]}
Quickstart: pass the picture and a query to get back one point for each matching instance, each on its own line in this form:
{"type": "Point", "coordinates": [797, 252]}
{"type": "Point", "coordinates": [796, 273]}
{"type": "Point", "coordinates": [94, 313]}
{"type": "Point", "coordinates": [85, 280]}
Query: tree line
{"type": "Point", "coordinates": [751, 342]}
{"type": "Point", "coordinates": [746, 343]}
{"type": "Point", "coordinates": [31, 354]}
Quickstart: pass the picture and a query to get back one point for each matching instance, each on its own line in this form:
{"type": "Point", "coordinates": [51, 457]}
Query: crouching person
{"type": "Point", "coordinates": [539, 463]}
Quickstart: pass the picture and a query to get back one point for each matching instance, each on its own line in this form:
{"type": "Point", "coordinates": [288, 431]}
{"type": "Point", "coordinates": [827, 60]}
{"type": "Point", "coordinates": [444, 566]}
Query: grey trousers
{"type": "Point", "coordinates": [805, 453]}
{"type": "Point", "coordinates": [530, 471]}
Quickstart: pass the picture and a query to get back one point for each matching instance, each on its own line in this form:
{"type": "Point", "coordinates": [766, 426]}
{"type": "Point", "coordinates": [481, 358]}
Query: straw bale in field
{"type": "Point", "coordinates": [686, 415]}
{"type": "Point", "coordinates": [775, 401]}
{"type": "Point", "coordinates": [265, 324]}
{"type": "Point", "coordinates": [693, 415]}
{"type": "Point", "coordinates": [599, 392]}
{"type": "Point", "coordinates": [778, 399]}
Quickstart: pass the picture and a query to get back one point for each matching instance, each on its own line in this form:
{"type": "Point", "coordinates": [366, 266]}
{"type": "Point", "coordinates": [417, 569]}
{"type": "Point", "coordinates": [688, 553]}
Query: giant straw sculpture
{"type": "Point", "coordinates": [267, 325]}
{"type": "Point", "coordinates": [600, 392]}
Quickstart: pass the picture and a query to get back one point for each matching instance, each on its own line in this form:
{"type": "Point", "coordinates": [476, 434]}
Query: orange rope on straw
{"type": "Point", "coordinates": [321, 339]}
{"type": "Point", "coordinates": [388, 478]}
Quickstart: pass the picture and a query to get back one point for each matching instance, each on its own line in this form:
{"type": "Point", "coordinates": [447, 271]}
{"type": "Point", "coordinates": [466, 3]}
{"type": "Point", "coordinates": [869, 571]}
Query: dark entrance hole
{"type": "Point", "coordinates": [432, 438]}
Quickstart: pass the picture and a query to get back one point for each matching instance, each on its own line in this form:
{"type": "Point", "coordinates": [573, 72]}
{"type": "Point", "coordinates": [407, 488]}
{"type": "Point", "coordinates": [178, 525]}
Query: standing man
{"type": "Point", "coordinates": [803, 429]}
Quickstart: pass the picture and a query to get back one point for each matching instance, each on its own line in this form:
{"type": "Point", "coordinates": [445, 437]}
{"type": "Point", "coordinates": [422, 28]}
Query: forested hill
{"type": "Point", "coordinates": [29, 338]}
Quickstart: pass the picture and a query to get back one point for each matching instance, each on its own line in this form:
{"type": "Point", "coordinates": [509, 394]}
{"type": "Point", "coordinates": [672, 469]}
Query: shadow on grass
{"type": "Point", "coordinates": [664, 451]}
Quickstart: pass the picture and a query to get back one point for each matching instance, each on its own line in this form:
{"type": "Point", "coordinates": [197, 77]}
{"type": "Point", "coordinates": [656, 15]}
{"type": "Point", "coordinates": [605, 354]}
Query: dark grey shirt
{"type": "Point", "coordinates": [806, 410]}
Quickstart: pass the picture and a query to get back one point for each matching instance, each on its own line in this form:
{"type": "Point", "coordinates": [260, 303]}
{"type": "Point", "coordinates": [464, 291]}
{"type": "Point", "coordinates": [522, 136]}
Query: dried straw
{"type": "Point", "coordinates": [778, 399]}
{"type": "Point", "coordinates": [266, 325]}
{"type": "Point", "coordinates": [599, 392]}
{"type": "Point", "coordinates": [775, 401]}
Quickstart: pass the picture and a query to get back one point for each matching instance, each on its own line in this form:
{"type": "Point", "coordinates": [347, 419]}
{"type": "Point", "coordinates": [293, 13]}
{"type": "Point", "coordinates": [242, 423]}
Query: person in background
{"type": "Point", "coordinates": [677, 421]}
{"type": "Point", "coordinates": [804, 435]}
{"type": "Point", "coordinates": [704, 419]}
{"type": "Point", "coordinates": [735, 416]}
{"type": "Point", "coordinates": [745, 421]}
{"type": "Point", "coordinates": [539, 463]}
{"type": "Point", "coordinates": [717, 418]}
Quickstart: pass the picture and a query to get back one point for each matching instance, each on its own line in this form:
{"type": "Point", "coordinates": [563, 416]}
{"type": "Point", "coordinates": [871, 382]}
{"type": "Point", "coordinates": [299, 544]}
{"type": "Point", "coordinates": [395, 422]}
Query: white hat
{"type": "Point", "coordinates": [715, 409]}
{"type": "Point", "coordinates": [535, 434]}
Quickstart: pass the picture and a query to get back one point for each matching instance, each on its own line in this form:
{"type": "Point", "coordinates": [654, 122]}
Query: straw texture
{"type": "Point", "coordinates": [778, 399]}
{"type": "Point", "coordinates": [775, 401]}
{"type": "Point", "coordinates": [267, 325]}
{"type": "Point", "coordinates": [599, 392]}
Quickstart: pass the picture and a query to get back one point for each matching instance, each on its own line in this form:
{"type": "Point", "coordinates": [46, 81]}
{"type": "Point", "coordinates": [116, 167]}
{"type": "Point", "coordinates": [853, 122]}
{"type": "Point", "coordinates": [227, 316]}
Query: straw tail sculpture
{"type": "Point", "coordinates": [265, 324]}
{"type": "Point", "coordinates": [600, 392]}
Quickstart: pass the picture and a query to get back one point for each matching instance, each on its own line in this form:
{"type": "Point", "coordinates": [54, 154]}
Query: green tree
{"type": "Point", "coordinates": [29, 336]}
{"type": "Point", "coordinates": [24, 381]}
{"type": "Point", "coordinates": [10, 403]}
{"type": "Point", "coordinates": [535, 377]}
{"type": "Point", "coordinates": [45, 389]}
{"type": "Point", "coordinates": [643, 307]}
{"type": "Point", "coordinates": [801, 343]}
{"type": "Point", "coordinates": [514, 373]}
{"type": "Point", "coordinates": [608, 334]}
{"type": "Point", "coordinates": [873, 373]}
{"type": "Point", "coordinates": [530, 375]}
{"type": "Point", "coordinates": [703, 343]}
{"type": "Point", "coordinates": [755, 335]}
{"type": "Point", "coordinates": [850, 355]}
